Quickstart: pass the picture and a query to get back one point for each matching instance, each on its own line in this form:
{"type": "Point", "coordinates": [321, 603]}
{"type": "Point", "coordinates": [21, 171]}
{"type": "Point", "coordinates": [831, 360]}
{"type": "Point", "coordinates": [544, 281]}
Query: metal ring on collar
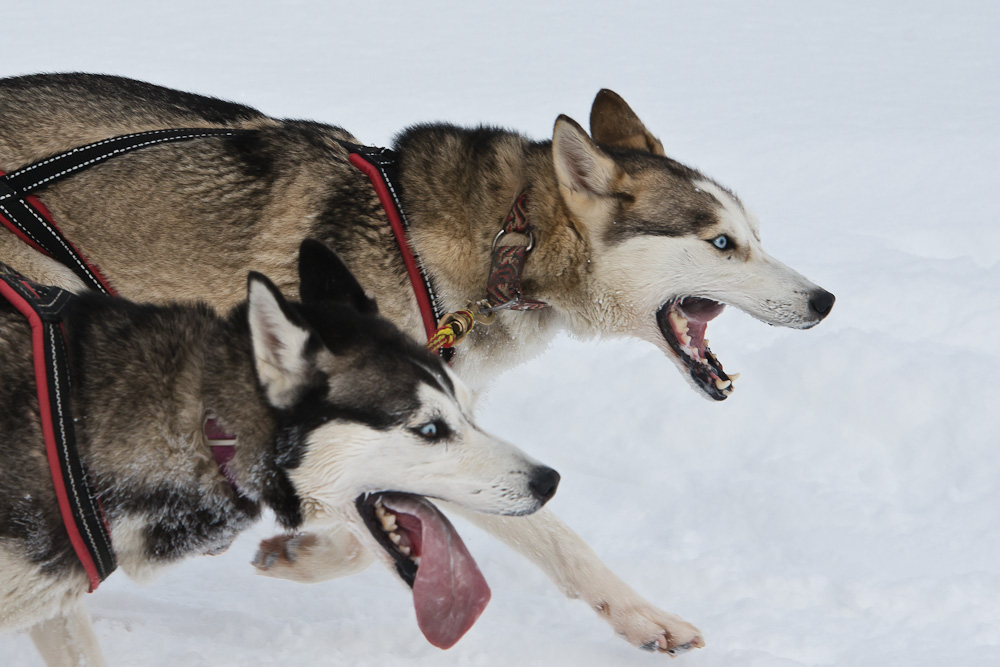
{"type": "Point", "coordinates": [529, 233]}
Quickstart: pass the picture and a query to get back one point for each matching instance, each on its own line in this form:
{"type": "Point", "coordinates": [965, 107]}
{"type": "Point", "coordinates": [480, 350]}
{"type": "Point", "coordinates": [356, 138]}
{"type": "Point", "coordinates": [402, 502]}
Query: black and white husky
{"type": "Point", "coordinates": [339, 417]}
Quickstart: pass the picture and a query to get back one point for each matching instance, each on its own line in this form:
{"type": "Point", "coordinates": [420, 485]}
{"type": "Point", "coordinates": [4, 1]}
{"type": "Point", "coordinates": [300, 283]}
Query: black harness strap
{"type": "Point", "coordinates": [31, 221]}
{"type": "Point", "coordinates": [81, 512]}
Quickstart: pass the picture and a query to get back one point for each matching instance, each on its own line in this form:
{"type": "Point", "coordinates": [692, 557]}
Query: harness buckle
{"type": "Point", "coordinates": [527, 232]}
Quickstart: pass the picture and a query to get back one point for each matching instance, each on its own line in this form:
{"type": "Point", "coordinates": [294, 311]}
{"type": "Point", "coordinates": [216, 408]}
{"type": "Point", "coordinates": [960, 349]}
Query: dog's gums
{"type": "Point", "coordinates": [683, 323]}
{"type": "Point", "coordinates": [449, 592]}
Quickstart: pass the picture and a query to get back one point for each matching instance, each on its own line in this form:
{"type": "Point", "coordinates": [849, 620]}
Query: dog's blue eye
{"type": "Point", "coordinates": [433, 430]}
{"type": "Point", "coordinates": [721, 242]}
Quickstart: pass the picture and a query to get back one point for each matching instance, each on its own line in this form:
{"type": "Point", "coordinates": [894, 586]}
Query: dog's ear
{"type": "Point", "coordinates": [323, 277]}
{"type": "Point", "coordinates": [587, 176]}
{"type": "Point", "coordinates": [283, 359]}
{"type": "Point", "coordinates": [612, 122]}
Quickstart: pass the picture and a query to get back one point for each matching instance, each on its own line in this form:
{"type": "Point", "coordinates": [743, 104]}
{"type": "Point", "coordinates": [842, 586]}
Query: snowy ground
{"type": "Point", "coordinates": [842, 507]}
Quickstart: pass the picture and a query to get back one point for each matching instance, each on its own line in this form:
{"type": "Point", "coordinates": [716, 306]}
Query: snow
{"type": "Point", "coordinates": [841, 508]}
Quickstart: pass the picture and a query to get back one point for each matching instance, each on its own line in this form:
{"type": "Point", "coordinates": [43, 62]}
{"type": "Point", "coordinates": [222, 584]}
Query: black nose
{"type": "Point", "coordinates": [822, 302]}
{"type": "Point", "coordinates": [543, 483]}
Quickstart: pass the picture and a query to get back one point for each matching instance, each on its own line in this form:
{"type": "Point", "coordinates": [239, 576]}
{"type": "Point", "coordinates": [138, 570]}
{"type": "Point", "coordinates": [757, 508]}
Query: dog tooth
{"type": "Point", "coordinates": [388, 522]}
{"type": "Point", "coordinates": [723, 384]}
{"type": "Point", "coordinates": [395, 538]}
{"type": "Point", "coordinates": [405, 549]}
{"type": "Point", "coordinates": [684, 338]}
{"type": "Point", "coordinates": [733, 377]}
{"type": "Point", "coordinates": [679, 321]}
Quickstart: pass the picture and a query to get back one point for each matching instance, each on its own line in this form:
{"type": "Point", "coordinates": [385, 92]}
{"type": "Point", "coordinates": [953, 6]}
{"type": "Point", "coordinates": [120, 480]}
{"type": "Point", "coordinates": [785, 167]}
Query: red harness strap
{"type": "Point", "coordinates": [78, 505]}
{"type": "Point", "coordinates": [389, 204]}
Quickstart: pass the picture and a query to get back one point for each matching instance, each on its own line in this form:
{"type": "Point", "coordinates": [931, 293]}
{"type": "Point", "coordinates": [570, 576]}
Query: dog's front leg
{"type": "Point", "coordinates": [563, 555]}
{"type": "Point", "coordinates": [68, 640]}
{"type": "Point", "coordinates": [311, 557]}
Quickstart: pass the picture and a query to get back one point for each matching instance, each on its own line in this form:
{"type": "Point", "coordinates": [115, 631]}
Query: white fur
{"type": "Point", "coordinates": [278, 346]}
{"type": "Point", "coordinates": [634, 278]}
{"type": "Point", "coordinates": [471, 469]}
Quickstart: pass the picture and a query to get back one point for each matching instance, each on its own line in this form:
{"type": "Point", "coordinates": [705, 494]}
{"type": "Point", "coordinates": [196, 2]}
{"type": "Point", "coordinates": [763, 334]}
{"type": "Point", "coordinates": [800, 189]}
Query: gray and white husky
{"type": "Point", "coordinates": [627, 242]}
{"type": "Point", "coordinates": [333, 409]}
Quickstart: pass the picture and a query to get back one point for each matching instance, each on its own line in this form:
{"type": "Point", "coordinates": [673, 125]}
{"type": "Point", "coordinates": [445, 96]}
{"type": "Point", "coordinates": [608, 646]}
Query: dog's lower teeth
{"type": "Point", "coordinates": [733, 377]}
{"type": "Point", "coordinates": [395, 538]}
{"type": "Point", "coordinates": [722, 385]}
{"type": "Point", "coordinates": [405, 549]}
{"type": "Point", "coordinates": [388, 522]}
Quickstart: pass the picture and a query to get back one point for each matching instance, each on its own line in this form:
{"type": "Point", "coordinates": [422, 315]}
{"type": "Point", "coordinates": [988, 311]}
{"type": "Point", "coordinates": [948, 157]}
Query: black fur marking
{"type": "Point", "coordinates": [668, 203]}
{"type": "Point", "coordinates": [325, 278]}
{"type": "Point", "coordinates": [181, 520]}
{"type": "Point", "coordinates": [252, 153]}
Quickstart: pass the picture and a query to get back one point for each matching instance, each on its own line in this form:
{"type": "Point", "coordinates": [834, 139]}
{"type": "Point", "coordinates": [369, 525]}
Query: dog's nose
{"type": "Point", "coordinates": [543, 483]}
{"type": "Point", "coordinates": [821, 302]}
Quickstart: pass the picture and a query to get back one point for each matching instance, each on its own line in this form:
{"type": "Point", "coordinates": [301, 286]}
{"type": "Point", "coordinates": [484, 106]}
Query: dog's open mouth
{"type": "Point", "coordinates": [449, 591]}
{"type": "Point", "coordinates": [683, 323]}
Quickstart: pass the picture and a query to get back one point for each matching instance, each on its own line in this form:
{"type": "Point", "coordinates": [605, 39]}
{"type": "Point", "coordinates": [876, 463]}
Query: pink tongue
{"type": "Point", "coordinates": [698, 313]}
{"type": "Point", "coordinates": [700, 310]}
{"type": "Point", "coordinates": [449, 592]}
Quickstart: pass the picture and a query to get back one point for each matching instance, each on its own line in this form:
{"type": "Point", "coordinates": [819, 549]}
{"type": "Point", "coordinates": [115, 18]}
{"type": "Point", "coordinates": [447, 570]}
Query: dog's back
{"type": "Point", "coordinates": [46, 114]}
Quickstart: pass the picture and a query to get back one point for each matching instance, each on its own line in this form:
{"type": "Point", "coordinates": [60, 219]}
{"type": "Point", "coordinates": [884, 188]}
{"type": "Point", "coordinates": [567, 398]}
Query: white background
{"type": "Point", "coordinates": [841, 508]}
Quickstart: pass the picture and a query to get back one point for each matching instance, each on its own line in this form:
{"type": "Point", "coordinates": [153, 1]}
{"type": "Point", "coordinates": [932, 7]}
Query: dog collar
{"type": "Point", "coordinates": [223, 446]}
{"type": "Point", "coordinates": [503, 289]}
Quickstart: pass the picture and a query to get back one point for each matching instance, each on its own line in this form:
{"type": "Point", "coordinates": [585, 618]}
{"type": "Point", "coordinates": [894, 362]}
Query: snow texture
{"type": "Point", "coordinates": [841, 508]}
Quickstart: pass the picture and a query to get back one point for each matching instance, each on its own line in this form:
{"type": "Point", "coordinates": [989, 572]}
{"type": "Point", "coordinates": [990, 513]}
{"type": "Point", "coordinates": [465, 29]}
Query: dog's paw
{"type": "Point", "coordinates": [311, 557]}
{"type": "Point", "coordinates": [280, 552]}
{"type": "Point", "coordinates": [651, 629]}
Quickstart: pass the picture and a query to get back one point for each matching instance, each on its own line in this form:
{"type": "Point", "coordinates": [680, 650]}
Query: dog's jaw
{"type": "Point", "coordinates": [683, 324]}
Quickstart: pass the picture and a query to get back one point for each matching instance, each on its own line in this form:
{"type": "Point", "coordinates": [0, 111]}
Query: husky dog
{"type": "Point", "coordinates": [626, 242]}
{"type": "Point", "coordinates": [333, 408]}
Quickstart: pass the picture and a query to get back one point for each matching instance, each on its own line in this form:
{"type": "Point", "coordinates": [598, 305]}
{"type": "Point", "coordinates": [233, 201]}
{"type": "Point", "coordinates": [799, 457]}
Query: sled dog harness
{"type": "Point", "coordinates": [503, 291]}
{"type": "Point", "coordinates": [81, 511]}
{"type": "Point", "coordinates": [24, 215]}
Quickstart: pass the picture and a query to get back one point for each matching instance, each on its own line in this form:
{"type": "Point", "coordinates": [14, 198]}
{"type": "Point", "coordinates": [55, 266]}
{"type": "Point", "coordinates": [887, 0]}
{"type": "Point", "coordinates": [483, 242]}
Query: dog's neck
{"type": "Point", "coordinates": [184, 361]}
{"type": "Point", "coordinates": [437, 166]}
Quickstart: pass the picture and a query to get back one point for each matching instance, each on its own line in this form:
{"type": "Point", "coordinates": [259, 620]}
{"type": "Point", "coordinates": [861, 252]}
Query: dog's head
{"type": "Point", "coordinates": [669, 246]}
{"type": "Point", "coordinates": [373, 424]}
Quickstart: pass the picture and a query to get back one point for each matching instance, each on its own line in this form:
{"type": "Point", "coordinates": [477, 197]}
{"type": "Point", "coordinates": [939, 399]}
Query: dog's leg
{"type": "Point", "coordinates": [579, 573]}
{"type": "Point", "coordinates": [311, 557]}
{"type": "Point", "coordinates": [36, 266]}
{"type": "Point", "coordinates": [68, 640]}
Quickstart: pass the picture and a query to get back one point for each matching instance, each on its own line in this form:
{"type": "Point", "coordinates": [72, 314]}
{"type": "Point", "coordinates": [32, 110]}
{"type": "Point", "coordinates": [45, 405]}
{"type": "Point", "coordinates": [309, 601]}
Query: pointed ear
{"type": "Point", "coordinates": [581, 167]}
{"type": "Point", "coordinates": [285, 365]}
{"type": "Point", "coordinates": [613, 122]}
{"type": "Point", "coordinates": [323, 277]}
{"type": "Point", "coordinates": [588, 178]}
